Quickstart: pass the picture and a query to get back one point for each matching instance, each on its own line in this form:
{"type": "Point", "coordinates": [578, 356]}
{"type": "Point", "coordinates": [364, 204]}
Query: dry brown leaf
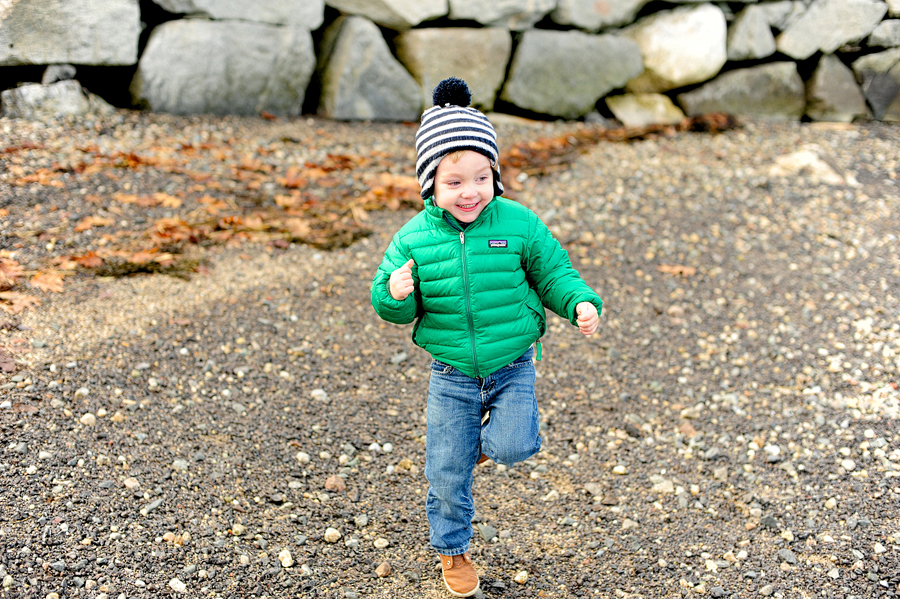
{"type": "Point", "coordinates": [43, 176]}
{"type": "Point", "coordinates": [297, 227]}
{"type": "Point", "coordinates": [677, 269]}
{"type": "Point", "coordinates": [314, 172]}
{"type": "Point", "coordinates": [88, 260]}
{"type": "Point", "coordinates": [14, 302]}
{"type": "Point", "coordinates": [47, 282]}
{"type": "Point", "coordinates": [173, 230]}
{"type": "Point", "coordinates": [169, 201]}
{"type": "Point", "coordinates": [125, 198]}
{"type": "Point", "coordinates": [254, 222]}
{"type": "Point", "coordinates": [10, 273]}
{"type": "Point", "coordinates": [359, 214]}
{"type": "Point", "coordinates": [143, 256]}
{"type": "Point", "coordinates": [90, 222]}
{"type": "Point", "coordinates": [293, 179]}
{"type": "Point", "coordinates": [288, 201]}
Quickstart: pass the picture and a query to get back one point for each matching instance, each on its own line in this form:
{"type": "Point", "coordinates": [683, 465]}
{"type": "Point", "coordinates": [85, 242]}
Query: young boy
{"type": "Point", "coordinates": [474, 270]}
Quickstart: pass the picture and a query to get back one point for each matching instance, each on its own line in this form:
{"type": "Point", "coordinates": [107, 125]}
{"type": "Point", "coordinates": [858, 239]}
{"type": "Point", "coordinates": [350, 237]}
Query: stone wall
{"type": "Point", "coordinates": [639, 61]}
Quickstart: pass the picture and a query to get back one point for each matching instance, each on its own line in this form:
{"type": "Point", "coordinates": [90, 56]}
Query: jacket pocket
{"type": "Point", "coordinates": [533, 303]}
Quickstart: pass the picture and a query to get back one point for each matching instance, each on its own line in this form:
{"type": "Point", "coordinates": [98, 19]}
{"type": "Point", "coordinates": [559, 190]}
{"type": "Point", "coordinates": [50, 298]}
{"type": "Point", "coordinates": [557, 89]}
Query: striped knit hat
{"type": "Point", "coordinates": [449, 126]}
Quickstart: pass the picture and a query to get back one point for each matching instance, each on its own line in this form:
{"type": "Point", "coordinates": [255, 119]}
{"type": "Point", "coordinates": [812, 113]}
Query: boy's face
{"type": "Point", "coordinates": [463, 188]}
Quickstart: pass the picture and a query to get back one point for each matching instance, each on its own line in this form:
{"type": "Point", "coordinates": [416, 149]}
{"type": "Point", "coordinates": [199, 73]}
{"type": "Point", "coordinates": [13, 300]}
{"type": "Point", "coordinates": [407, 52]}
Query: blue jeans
{"type": "Point", "coordinates": [455, 439]}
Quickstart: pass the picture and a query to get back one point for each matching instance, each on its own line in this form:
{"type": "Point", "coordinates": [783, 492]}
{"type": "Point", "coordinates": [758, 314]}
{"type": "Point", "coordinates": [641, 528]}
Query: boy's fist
{"type": "Point", "coordinates": [401, 283]}
{"type": "Point", "coordinates": [588, 319]}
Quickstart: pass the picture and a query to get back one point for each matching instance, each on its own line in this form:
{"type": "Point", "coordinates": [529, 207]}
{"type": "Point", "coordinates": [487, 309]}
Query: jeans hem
{"type": "Point", "coordinates": [451, 552]}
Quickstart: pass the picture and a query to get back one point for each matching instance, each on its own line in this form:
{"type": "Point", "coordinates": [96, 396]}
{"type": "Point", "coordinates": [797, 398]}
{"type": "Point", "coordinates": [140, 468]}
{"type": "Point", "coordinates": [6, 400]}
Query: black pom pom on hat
{"type": "Point", "coordinates": [452, 91]}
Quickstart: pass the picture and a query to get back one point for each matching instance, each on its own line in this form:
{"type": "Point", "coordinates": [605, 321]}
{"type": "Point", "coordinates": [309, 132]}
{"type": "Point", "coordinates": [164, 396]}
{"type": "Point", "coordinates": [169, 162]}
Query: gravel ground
{"type": "Point", "coordinates": [254, 430]}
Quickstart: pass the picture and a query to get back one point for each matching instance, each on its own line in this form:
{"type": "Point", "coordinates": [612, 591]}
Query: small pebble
{"type": "Point", "coordinates": [332, 535]}
{"type": "Point", "coordinates": [521, 577]}
{"type": "Point", "coordinates": [383, 570]}
{"type": "Point", "coordinates": [285, 558]}
{"type": "Point", "coordinates": [336, 483]}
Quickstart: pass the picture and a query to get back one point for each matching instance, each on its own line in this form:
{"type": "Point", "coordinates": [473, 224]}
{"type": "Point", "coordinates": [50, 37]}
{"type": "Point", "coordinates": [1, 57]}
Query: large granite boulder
{"type": "Point", "coordinates": [361, 79]}
{"type": "Point", "coordinates": [193, 66]}
{"type": "Point", "coordinates": [86, 32]}
{"type": "Point", "coordinates": [479, 56]}
{"type": "Point", "coordinates": [593, 15]}
{"type": "Point", "coordinates": [750, 35]}
{"type": "Point", "coordinates": [564, 73]}
{"type": "Point", "coordinates": [63, 98]}
{"type": "Point", "coordinates": [517, 15]}
{"type": "Point", "coordinates": [893, 8]}
{"type": "Point", "coordinates": [679, 47]}
{"type": "Point", "coordinates": [886, 34]}
{"type": "Point", "coordinates": [304, 13]}
{"type": "Point", "coordinates": [773, 91]}
{"type": "Point", "coordinates": [832, 93]}
{"type": "Point", "coordinates": [639, 110]}
{"type": "Point", "coordinates": [783, 13]}
{"type": "Point", "coordinates": [829, 24]}
{"type": "Point", "coordinates": [395, 14]}
{"type": "Point", "coordinates": [879, 75]}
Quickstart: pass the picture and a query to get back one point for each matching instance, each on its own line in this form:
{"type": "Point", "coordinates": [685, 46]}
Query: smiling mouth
{"type": "Point", "coordinates": [467, 206]}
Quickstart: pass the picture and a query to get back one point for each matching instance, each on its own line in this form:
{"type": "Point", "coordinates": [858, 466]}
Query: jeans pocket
{"type": "Point", "coordinates": [523, 360]}
{"type": "Point", "coordinates": [439, 368]}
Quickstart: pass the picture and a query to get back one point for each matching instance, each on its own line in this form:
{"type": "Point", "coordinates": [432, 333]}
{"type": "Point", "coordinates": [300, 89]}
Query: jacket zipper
{"type": "Point", "coordinates": [462, 241]}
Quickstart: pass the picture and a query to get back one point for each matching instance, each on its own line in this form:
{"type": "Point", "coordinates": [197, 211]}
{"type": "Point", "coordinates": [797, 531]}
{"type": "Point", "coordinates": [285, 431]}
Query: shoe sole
{"type": "Point", "coordinates": [457, 594]}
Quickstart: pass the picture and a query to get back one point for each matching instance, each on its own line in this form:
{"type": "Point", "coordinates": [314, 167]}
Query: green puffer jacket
{"type": "Point", "coordinates": [480, 292]}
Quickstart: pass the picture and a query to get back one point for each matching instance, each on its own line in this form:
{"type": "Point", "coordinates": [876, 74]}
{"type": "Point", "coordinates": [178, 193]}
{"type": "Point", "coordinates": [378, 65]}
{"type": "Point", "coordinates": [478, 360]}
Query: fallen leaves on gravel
{"type": "Point", "coordinates": [10, 273]}
{"type": "Point", "coordinates": [550, 154]}
{"type": "Point", "coordinates": [14, 302]}
{"type": "Point", "coordinates": [47, 281]}
{"type": "Point", "coordinates": [226, 191]}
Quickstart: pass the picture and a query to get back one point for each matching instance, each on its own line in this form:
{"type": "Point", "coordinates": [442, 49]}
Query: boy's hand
{"type": "Point", "coordinates": [588, 319]}
{"type": "Point", "coordinates": [401, 283]}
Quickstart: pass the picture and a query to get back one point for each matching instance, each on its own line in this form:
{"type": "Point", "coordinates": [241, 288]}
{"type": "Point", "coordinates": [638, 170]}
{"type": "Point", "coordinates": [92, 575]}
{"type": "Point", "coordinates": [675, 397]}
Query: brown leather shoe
{"type": "Point", "coordinates": [482, 460]}
{"type": "Point", "coordinates": [459, 575]}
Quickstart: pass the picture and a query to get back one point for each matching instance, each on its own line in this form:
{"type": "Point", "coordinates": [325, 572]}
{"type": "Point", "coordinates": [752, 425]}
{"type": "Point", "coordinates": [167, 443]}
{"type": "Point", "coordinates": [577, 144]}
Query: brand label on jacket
{"type": "Point", "coordinates": [497, 243]}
